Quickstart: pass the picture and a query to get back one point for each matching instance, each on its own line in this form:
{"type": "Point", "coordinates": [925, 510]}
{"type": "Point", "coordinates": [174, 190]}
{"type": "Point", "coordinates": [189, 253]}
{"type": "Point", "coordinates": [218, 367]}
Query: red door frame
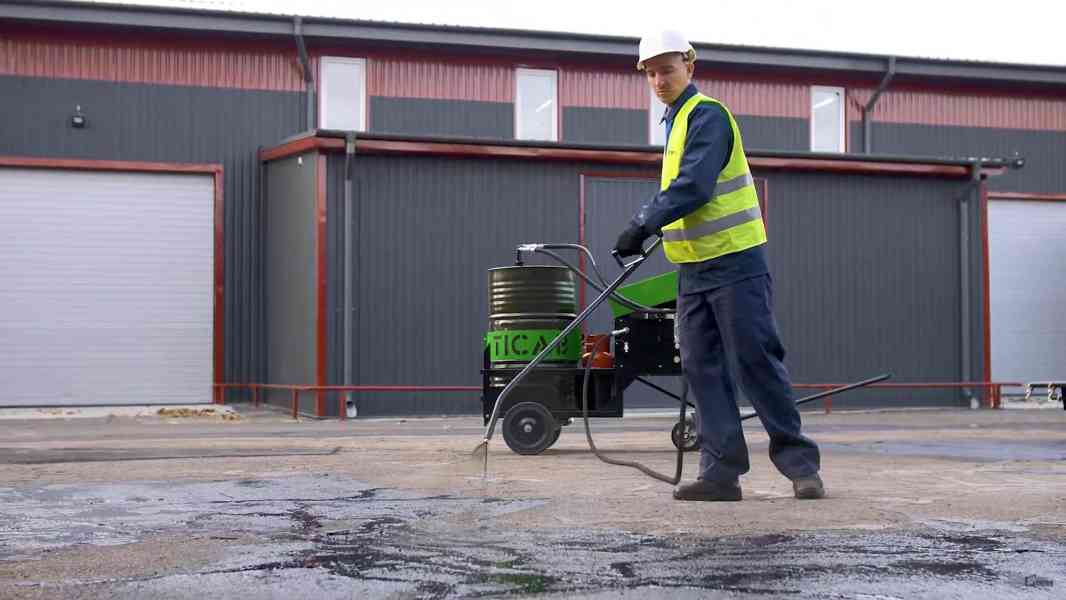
{"type": "Point", "coordinates": [215, 170]}
{"type": "Point", "coordinates": [986, 195]}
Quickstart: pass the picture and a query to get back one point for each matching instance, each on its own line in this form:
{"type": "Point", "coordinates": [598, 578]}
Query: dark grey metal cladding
{"type": "Point", "coordinates": [587, 125]}
{"type": "Point", "coordinates": [422, 116]}
{"type": "Point", "coordinates": [609, 205]}
{"type": "Point", "coordinates": [1042, 150]}
{"type": "Point", "coordinates": [866, 273]}
{"type": "Point", "coordinates": [139, 122]}
{"type": "Point", "coordinates": [428, 230]}
{"type": "Point", "coordinates": [336, 214]}
{"type": "Point", "coordinates": [774, 133]}
{"type": "Point", "coordinates": [867, 270]}
{"type": "Point", "coordinates": [290, 298]}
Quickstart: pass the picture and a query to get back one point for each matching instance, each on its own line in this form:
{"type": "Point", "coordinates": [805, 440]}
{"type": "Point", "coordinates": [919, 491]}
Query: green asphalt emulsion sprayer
{"type": "Point", "coordinates": [540, 372]}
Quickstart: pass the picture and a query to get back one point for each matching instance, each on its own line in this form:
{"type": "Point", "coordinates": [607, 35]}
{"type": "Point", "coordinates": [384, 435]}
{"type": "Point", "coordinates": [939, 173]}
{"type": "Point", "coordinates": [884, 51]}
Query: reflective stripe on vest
{"type": "Point", "coordinates": [730, 221]}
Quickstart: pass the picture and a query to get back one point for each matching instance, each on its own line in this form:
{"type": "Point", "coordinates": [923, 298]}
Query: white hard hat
{"type": "Point", "coordinates": [664, 42]}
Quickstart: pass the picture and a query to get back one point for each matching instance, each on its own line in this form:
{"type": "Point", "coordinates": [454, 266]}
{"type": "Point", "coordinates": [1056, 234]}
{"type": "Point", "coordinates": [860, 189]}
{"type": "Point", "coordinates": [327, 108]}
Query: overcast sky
{"type": "Point", "coordinates": [1018, 31]}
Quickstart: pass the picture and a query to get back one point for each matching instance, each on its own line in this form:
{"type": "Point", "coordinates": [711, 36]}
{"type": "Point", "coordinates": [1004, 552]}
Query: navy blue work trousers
{"type": "Point", "coordinates": [729, 339]}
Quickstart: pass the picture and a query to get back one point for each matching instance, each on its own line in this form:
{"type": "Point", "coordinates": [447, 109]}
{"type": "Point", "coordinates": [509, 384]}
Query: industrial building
{"type": "Point", "coordinates": [186, 197]}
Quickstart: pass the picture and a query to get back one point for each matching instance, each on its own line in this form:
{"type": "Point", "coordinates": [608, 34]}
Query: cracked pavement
{"type": "Point", "coordinates": [922, 504]}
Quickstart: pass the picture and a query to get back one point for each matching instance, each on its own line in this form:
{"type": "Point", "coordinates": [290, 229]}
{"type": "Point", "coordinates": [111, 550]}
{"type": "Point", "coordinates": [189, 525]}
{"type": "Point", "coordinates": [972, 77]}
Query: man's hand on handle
{"type": "Point", "coordinates": [631, 241]}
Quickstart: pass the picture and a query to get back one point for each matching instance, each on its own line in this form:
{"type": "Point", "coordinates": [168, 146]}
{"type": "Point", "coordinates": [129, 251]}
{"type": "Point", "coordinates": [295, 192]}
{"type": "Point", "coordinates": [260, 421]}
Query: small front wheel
{"type": "Point", "coordinates": [684, 435]}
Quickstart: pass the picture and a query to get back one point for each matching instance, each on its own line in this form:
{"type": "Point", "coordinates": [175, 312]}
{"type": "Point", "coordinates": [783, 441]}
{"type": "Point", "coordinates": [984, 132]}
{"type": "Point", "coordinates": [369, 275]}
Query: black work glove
{"type": "Point", "coordinates": [631, 242]}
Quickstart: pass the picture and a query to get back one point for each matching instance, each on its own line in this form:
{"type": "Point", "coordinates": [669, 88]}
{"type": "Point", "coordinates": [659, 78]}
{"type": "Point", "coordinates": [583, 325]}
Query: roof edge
{"type": "Point", "coordinates": [461, 37]}
{"type": "Point", "coordinates": [333, 141]}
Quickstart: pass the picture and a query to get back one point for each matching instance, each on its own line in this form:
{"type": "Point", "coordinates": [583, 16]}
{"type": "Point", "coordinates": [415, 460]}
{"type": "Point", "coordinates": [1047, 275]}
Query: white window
{"type": "Point", "coordinates": [536, 116]}
{"type": "Point", "coordinates": [343, 91]}
{"type": "Point", "coordinates": [827, 119]}
{"type": "Point", "coordinates": [656, 129]}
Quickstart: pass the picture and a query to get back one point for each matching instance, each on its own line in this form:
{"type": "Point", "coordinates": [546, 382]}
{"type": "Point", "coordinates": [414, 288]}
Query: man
{"type": "Point", "coordinates": [708, 215]}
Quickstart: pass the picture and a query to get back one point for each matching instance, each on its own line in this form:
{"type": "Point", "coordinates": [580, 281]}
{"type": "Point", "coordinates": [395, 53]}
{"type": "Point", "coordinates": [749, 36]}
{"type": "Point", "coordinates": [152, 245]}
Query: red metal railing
{"type": "Point", "coordinates": [342, 413]}
{"type": "Point", "coordinates": [993, 390]}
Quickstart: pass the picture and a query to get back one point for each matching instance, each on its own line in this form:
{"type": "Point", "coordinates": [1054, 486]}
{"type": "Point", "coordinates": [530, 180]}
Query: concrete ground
{"type": "Point", "coordinates": [922, 504]}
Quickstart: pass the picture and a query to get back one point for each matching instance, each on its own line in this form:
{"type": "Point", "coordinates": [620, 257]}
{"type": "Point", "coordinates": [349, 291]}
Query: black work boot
{"type": "Point", "coordinates": [808, 488]}
{"type": "Point", "coordinates": [708, 491]}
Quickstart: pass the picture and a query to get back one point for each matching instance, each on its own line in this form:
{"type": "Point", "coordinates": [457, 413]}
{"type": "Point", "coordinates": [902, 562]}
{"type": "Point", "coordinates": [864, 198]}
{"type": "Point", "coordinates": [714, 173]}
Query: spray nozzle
{"type": "Point", "coordinates": [524, 248]}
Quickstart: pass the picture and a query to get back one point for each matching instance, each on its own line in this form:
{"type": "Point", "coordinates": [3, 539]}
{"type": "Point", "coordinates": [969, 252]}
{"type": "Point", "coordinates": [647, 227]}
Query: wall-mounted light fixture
{"type": "Point", "coordinates": [78, 119]}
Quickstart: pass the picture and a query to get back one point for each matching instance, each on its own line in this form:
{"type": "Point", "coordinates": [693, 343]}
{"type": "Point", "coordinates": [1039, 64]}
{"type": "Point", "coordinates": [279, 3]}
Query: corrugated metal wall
{"type": "Point", "coordinates": [867, 280]}
{"type": "Point", "coordinates": [603, 88]}
{"type": "Point", "coordinates": [73, 54]}
{"type": "Point", "coordinates": [442, 77]}
{"type": "Point", "coordinates": [136, 122]}
{"type": "Point", "coordinates": [428, 231]}
{"type": "Point", "coordinates": [961, 109]}
{"type": "Point", "coordinates": [616, 126]}
{"type": "Point", "coordinates": [867, 271]}
{"type": "Point", "coordinates": [767, 98]}
{"type": "Point", "coordinates": [447, 118]}
{"type": "Point", "coordinates": [1044, 151]}
{"type": "Point", "coordinates": [610, 203]}
{"type": "Point", "coordinates": [289, 299]}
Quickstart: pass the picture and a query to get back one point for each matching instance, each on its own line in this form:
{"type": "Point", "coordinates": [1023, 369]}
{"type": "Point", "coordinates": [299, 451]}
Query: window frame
{"type": "Point", "coordinates": [653, 119]}
{"type": "Point", "coordinates": [518, 102]}
{"type": "Point", "coordinates": [842, 117]}
{"type": "Point", "coordinates": [323, 86]}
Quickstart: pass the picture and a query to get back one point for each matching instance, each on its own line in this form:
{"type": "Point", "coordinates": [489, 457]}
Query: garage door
{"type": "Point", "coordinates": [107, 287]}
{"type": "Point", "coordinates": [1027, 270]}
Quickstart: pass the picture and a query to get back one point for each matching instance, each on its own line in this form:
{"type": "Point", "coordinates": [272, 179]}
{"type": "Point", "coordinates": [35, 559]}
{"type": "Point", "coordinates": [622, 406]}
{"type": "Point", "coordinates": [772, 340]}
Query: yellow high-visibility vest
{"type": "Point", "coordinates": [730, 221]}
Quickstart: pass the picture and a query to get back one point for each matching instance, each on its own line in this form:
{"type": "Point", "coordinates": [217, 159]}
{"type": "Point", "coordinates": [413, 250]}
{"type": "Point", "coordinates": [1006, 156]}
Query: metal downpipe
{"type": "Point", "coordinates": [867, 143]}
{"type": "Point", "coordinates": [305, 64]}
{"type": "Point", "coordinates": [349, 213]}
{"type": "Point", "coordinates": [965, 277]}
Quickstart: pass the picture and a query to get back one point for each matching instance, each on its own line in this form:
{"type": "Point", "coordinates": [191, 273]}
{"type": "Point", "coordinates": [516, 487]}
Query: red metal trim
{"type": "Point", "coordinates": [220, 282]}
{"type": "Point", "coordinates": [300, 146]}
{"type": "Point", "coordinates": [320, 284]}
{"type": "Point", "coordinates": [866, 167]}
{"type": "Point", "coordinates": [987, 308]}
{"type": "Point", "coordinates": [638, 157]}
{"type": "Point", "coordinates": [106, 165]}
{"type": "Point", "coordinates": [622, 175]}
{"type": "Point", "coordinates": [393, 388]}
{"type": "Point", "coordinates": [1032, 197]}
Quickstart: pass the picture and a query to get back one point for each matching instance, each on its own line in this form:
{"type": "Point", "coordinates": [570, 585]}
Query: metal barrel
{"type": "Point", "coordinates": [528, 307]}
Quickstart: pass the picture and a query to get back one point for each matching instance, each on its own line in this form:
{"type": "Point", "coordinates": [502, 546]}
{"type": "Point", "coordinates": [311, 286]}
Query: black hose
{"type": "Point", "coordinates": [629, 463]}
{"type": "Point", "coordinates": [587, 253]}
{"type": "Point", "coordinates": [616, 296]}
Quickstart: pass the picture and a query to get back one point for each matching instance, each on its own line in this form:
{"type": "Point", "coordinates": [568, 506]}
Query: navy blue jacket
{"type": "Point", "coordinates": [708, 145]}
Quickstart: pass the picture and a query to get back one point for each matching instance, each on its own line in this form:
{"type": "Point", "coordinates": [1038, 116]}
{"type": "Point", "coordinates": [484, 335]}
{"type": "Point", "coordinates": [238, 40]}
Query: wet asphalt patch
{"type": "Point", "coordinates": [329, 537]}
{"type": "Point", "coordinates": [47, 456]}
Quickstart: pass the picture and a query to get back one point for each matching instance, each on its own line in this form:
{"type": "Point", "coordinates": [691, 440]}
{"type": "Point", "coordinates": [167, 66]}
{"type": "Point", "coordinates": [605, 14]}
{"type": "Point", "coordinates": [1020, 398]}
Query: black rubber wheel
{"type": "Point", "coordinates": [555, 438]}
{"type": "Point", "coordinates": [684, 436]}
{"type": "Point", "coordinates": [529, 428]}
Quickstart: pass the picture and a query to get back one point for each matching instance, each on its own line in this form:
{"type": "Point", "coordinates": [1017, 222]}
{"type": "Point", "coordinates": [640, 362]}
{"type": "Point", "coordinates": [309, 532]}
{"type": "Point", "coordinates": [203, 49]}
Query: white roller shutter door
{"type": "Point", "coordinates": [1027, 272]}
{"type": "Point", "coordinates": [107, 287]}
